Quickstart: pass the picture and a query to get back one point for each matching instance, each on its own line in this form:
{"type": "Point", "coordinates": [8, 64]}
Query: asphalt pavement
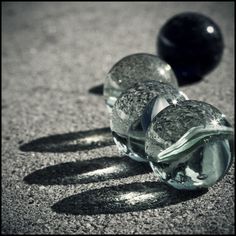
{"type": "Point", "coordinates": [61, 172]}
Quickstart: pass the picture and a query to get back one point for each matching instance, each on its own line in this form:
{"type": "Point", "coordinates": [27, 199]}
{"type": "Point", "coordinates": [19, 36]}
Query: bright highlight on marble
{"type": "Point", "coordinates": [188, 144]}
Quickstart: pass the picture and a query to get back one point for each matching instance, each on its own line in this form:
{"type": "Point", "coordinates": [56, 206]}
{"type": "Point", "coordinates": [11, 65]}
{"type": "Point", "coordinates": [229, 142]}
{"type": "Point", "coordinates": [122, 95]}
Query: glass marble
{"type": "Point", "coordinates": [191, 43]}
{"type": "Point", "coordinates": [133, 69]}
{"type": "Point", "coordinates": [190, 145]}
{"type": "Point", "coordinates": [128, 132]}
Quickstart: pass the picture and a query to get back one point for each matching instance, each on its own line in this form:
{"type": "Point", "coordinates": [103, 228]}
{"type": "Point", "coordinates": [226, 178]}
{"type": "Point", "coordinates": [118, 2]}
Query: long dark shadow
{"type": "Point", "coordinates": [71, 142]}
{"type": "Point", "coordinates": [123, 198]}
{"type": "Point", "coordinates": [98, 90]}
{"type": "Point", "coordinates": [88, 171]}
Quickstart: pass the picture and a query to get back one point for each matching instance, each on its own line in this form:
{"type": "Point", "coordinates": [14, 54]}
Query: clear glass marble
{"type": "Point", "coordinates": [190, 145]}
{"type": "Point", "coordinates": [133, 69]}
{"type": "Point", "coordinates": [127, 123]}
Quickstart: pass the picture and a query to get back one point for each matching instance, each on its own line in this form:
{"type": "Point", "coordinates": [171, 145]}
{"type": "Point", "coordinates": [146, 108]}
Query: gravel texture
{"type": "Point", "coordinates": [60, 172]}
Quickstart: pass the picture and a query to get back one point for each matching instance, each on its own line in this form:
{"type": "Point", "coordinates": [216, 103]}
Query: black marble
{"type": "Point", "coordinates": [192, 44]}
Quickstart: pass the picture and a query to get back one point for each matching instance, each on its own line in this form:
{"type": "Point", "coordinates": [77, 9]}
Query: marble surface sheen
{"type": "Point", "coordinates": [191, 43]}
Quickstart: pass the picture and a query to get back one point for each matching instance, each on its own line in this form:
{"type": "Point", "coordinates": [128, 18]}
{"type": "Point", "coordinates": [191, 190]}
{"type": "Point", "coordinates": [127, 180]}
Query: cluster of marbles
{"type": "Point", "coordinates": [188, 143]}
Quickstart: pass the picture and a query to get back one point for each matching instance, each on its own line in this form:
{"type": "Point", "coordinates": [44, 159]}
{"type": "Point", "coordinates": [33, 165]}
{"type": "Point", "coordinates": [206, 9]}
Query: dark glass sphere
{"type": "Point", "coordinates": [192, 44]}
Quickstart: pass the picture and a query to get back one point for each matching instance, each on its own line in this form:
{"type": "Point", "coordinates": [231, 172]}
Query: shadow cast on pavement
{"type": "Point", "coordinates": [97, 90]}
{"type": "Point", "coordinates": [71, 142]}
{"type": "Point", "coordinates": [88, 171]}
{"type": "Point", "coordinates": [123, 198]}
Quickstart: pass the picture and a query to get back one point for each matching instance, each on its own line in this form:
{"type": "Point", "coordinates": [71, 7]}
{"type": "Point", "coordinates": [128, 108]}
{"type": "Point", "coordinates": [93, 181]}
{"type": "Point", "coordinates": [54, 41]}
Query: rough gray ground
{"type": "Point", "coordinates": [52, 54]}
